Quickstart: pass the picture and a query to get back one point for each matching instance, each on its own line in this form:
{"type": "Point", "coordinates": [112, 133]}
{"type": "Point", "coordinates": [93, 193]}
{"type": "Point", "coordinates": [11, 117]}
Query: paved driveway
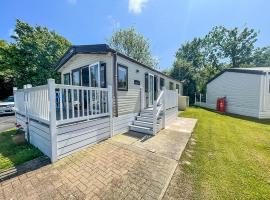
{"type": "Point", "coordinates": [6, 122]}
{"type": "Point", "coordinates": [113, 169]}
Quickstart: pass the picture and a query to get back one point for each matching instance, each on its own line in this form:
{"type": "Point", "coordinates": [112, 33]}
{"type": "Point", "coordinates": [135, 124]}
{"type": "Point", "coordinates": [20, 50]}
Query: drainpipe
{"type": "Point", "coordinates": [115, 76]}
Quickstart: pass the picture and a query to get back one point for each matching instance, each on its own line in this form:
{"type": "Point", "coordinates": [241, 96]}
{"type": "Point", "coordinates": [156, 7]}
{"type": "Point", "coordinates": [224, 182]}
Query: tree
{"type": "Point", "coordinates": [131, 43]}
{"type": "Point", "coordinates": [184, 72]}
{"type": "Point", "coordinates": [201, 59]}
{"type": "Point", "coordinates": [261, 57]}
{"type": "Point", "coordinates": [6, 72]}
{"type": "Point", "coordinates": [200, 63]}
{"type": "Point", "coordinates": [192, 52]}
{"type": "Point", "coordinates": [233, 44]}
{"type": "Point", "coordinates": [34, 54]}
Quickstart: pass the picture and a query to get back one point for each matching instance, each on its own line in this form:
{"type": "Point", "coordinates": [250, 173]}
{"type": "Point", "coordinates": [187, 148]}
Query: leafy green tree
{"type": "Point", "coordinates": [219, 49]}
{"type": "Point", "coordinates": [233, 44]}
{"type": "Point", "coordinates": [185, 72]}
{"type": "Point", "coordinates": [133, 44]}
{"type": "Point", "coordinates": [6, 72]}
{"type": "Point", "coordinates": [34, 54]}
{"type": "Point", "coordinates": [261, 57]}
{"type": "Point", "coordinates": [192, 52]}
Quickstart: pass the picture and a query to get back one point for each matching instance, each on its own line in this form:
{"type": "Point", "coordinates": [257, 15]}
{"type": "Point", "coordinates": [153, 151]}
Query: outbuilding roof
{"type": "Point", "coordinates": [98, 49]}
{"type": "Point", "coordinates": [251, 70]}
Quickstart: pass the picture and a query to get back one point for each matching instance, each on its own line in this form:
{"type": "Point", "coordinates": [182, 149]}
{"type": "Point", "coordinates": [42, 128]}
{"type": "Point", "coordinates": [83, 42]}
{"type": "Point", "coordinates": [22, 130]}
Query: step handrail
{"type": "Point", "coordinates": [157, 112]}
{"type": "Point", "coordinates": [159, 97]}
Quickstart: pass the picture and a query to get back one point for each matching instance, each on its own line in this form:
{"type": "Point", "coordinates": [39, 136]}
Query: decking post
{"type": "Point", "coordinates": [25, 112]}
{"type": "Point", "coordinates": [110, 104]}
{"type": "Point", "coordinates": [27, 117]}
{"type": "Point", "coordinates": [15, 102]}
{"type": "Point", "coordinates": [52, 99]}
{"type": "Point", "coordinates": [155, 118]}
{"type": "Point", "coordinates": [164, 107]}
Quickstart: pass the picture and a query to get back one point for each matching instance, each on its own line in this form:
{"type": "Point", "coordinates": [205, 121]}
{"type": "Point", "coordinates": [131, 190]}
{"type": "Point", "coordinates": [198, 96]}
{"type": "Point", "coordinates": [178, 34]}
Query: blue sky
{"type": "Point", "coordinates": [166, 23]}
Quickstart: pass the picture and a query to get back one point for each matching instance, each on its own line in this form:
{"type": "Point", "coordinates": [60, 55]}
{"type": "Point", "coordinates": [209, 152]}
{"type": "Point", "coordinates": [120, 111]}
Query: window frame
{"type": "Point", "coordinates": [97, 79]}
{"type": "Point", "coordinates": [64, 75]}
{"type": "Point", "coordinates": [81, 70]}
{"type": "Point", "coordinates": [177, 88]}
{"type": "Point", "coordinates": [80, 78]}
{"type": "Point", "coordinates": [125, 67]}
{"type": "Point", "coordinates": [103, 64]}
{"type": "Point", "coordinates": [171, 84]}
{"type": "Point", "coordinates": [163, 81]}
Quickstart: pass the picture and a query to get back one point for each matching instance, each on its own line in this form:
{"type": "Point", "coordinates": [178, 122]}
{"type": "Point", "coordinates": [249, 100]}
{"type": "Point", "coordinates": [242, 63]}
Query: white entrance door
{"type": "Point", "coordinates": [151, 91]}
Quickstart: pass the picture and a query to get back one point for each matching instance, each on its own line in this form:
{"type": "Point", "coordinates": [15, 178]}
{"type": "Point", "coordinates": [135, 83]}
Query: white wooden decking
{"type": "Point", "coordinates": [62, 119]}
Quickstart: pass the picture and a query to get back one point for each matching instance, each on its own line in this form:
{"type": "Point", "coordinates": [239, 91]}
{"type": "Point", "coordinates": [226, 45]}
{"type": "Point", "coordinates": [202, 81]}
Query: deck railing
{"type": "Point", "coordinates": [62, 103]}
{"type": "Point", "coordinates": [167, 99]}
{"type": "Point", "coordinates": [78, 102]}
{"type": "Point", "coordinates": [33, 102]}
{"type": "Point", "coordinates": [171, 99]}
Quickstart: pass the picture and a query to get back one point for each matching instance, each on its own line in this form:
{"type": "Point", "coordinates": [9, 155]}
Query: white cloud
{"type": "Point", "coordinates": [73, 2]}
{"type": "Point", "coordinates": [136, 6]}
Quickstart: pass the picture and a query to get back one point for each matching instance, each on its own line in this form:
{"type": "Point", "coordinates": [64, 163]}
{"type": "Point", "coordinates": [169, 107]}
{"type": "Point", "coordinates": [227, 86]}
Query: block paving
{"type": "Point", "coordinates": [109, 170]}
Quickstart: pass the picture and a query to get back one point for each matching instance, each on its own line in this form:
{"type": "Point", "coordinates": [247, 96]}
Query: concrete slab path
{"type": "Point", "coordinates": [117, 168]}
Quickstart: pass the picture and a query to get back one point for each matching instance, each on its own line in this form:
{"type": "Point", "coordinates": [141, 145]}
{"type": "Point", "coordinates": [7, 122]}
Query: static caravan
{"type": "Point", "coordinates": [247, 91]}
{"type": "Point", "coordinates": [102, 93]}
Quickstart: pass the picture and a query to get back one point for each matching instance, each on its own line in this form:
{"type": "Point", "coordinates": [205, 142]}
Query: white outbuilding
{"type": "Point", "coordinates": [247, 91]}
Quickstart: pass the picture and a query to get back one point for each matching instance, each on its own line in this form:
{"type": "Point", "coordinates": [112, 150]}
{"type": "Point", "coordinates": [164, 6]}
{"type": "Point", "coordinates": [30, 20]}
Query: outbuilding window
{"type": "Point", "coordinates": [122, 78]}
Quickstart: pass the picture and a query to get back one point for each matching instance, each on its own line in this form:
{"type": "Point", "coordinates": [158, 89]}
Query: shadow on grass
{"type": "Point", "coordinates": [14, 154]}
{"type": "Point", "coordinates": [246, 118]}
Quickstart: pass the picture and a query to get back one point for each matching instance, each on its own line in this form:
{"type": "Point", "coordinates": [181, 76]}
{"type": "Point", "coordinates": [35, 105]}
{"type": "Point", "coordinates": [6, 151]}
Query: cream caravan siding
{"type": "Point", "coordinates": [241, 89]}
{"type": "Point", "coordinates": [129, 101]}
{"type": "Point", "coordinates": [80, 60]}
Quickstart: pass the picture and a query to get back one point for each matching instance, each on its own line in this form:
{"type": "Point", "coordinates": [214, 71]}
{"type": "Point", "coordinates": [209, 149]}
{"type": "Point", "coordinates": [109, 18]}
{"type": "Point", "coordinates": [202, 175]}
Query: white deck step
{"type": "Point", "coordinates": [144, 124]}
{"type": "Point", "coordinates": [141, 129]}
{"type": "Point", "coordinates": [146, 115]}
{"type": "Point", "coordinates": [147, 119]}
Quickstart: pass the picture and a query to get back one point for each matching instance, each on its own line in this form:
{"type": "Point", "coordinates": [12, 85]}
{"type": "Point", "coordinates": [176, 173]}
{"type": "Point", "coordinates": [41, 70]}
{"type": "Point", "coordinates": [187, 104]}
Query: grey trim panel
{"type": "Point", "coordinates": [99, 49]}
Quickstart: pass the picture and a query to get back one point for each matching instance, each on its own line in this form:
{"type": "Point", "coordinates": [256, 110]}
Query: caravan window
{"type": "Point", "coordinates": [161, 83]}
{"type": "Point", "coordinates": [85, 76]}
{"type": "Point", "coordinates": [76, 77]}
{"type": "Point", "coordinates": [177, 87]}
{"type": "Point", "coordinates": [122, 78]}
{"type": "Point", "coordinates": [67, 79]}
{"type": "Point", "coordinates": [103, 75]}
{"type": "Point", "coordinates": [171, 86]}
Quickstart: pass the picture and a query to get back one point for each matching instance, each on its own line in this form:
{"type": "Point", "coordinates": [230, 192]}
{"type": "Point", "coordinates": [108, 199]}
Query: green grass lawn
{"type": "Point", "coordinates": [14, 150]}
{"type": "Point", "coordinates": [228, 157]}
